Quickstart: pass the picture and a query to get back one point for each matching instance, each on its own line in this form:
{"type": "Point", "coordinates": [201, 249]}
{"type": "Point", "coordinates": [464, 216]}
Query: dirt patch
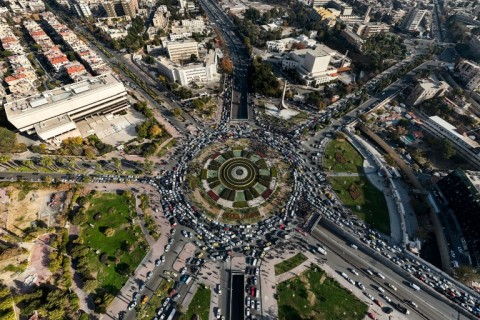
{"type": "Point", "coordinates": [354, 191]}
{"type": "Point", "coordinates": [40, 204]}
{"type": "Point", "coordinates": [340, 158]}
{"type": "Point", "coordinates": [312, 300]}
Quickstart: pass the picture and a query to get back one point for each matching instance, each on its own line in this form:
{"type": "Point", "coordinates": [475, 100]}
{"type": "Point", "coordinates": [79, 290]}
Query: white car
{"type": "Point", "coordinates": [380, 275]}
{"type": "Point", "coordinates": [354, 272]}
{"type": "Point", "coordinates": [391, 286]}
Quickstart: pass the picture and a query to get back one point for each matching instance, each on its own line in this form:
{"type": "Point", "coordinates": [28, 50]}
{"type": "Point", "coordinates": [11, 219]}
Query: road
{"type": "Point", "coordinates": [238, 55]}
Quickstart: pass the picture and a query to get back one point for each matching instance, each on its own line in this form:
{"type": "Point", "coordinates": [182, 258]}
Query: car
{"type": "Point", "coordinates": [369, 272]}
{"type": "Point", "coordinates": [369, 296]}
{"type": "Point", "coordinates": [391, 286]}
{"type": "Point", "coordinates": [132, 305]}
{"type": "Point", "coordinates": [360, 285]}
{"type": "Point", "coordinates": [149, 274]}
{"type": "Point", "coordinates": [412, 303]}
{"type": "Point", "coordinates": [380, 289]}
{"type": "Point", "coordinates": [134, 296]}
{"type": "Point", "coordinates": [355, 272]}
{"type": "Point", "coordinates": [157, 262]}
{"type": "Point", "coordinates": [142, 286]}
{"type": "Point", "coordinates": [380, 275]}
{"type": "Point", "coordinates": [385, 297]}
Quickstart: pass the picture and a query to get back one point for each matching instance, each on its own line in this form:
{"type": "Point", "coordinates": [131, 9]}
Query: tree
{"type": "Point", "coordinates": [90, 285]}
{"type": "Point", "coordinates": [177, 112]}
{"type": "Point", "coordinates": [193, 57]}
{"type": "Point", "coordinates": [117, 163]}
{"type": "Point", "coordinates": [154, 131]}
{"type": "Point", "coordinates": [89, 152]}
{"type": "Point", "coordinates": [148, 166]}
{"type": "Point", "coordinates": [447, 149]}
{"type": "Point", "coordinates": [227, 65]}
{"type": "Point", "coordinates": [47, 179]}
{"type": "Point", "coordinates": [8, 140]}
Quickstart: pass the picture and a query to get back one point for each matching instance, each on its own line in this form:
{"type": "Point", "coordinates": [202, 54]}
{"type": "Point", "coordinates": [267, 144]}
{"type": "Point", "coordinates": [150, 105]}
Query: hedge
{"type": "Point", "coordinates": [254, 192]}
{"type": "Point", "coordinates": [212, 179]}
{"type": "Point", "coordinates": [248, 195]}
{"type": "Point", "coordinates": [203, 174]}
{"type": "Point", "coordinates": [273, 172]}
{"type": "Point", "coordinates": [214, 184]}
{"type": "Point", "coordinates": [240, 204]}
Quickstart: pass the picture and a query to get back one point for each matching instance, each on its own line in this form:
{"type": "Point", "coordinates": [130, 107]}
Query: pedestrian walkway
{"type": "Point", "coordinates": [270, 281]}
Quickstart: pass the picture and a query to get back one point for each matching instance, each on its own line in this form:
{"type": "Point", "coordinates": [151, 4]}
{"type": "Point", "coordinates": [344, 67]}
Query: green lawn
{"type": "Point", "coordinates": [353, 160]}
{"type": "Point", "coordinates": [373, 207]}
{"type": "Point", "coordinates": [313, 295]}
{"type": "Point", "coordinates": [200, 304]}
{"type": "Point", "coordinates": [111, 276]}
{"type": "Point", "coordinates": [289, 264]}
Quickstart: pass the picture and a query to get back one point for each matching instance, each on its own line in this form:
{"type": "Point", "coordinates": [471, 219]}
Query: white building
{"type": "Point", "coordinates": [51, 114]}
{"type": "Point", "coordinates": [181, 50]}
{"type": "Point", "coordinates": [194, 72]}
{"type": "Point", "coordinates": [82, 9]}
{"type": "Point", "coordinates": [469, 72]}
{"type": "Point", "coordinates": [353, 38]}
{"type": "Point", "coordinates": [465, 146]}
{"type": "Point", "coordinates": [427, 89]}
{"type": "Point", "coordinates": [196, 23]}
{"type": "Point", "coordinates": [316, 66]}
{"type": "Point", "coordinates": [287, 43]}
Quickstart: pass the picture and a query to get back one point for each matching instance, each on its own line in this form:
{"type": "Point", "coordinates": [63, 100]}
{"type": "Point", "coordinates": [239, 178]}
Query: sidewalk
{"type": "Point", "coordinates": [269, 280]}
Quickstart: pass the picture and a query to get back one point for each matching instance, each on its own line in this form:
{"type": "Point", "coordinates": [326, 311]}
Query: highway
{"type": "Point", "coordinates": [238, 55]}
{"type": "Point", "coordinates": [341, 256]}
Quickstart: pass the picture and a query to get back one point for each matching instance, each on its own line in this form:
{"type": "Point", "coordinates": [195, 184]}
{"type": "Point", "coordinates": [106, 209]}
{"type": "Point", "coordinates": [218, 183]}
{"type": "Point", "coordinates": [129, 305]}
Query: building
{"type": "Point", "coordinates": [287, 43]}
{"type": "Point", "coordinates": [365, 30]}
{"type": "Point", "coordinates": [427, 89]}
{"type": "Point", "coordinates": [51, 114]}
{"type": "Point", "coordinates": [475, 44]}
{"type": "Point", "coordinates": [344, 8]}
{"type": "Point", "coordinates": [465, 146]}
{"type": "Point", "coordinates": [327, 16]}
{"type": "Point", "coordinates": [316, 66]}
{"type": "Point", "coordinates": [192, 72]}
{"type": "Point", "coordinates": [181, 50]}
{"type": "Point", "coordinates": [469, 72]}
{"type": "Point", "coordinates": [193, 23]}
{"type": "Point", "coordinates": [461, 190]}
{"type": "Point", "coordinates": [413, 19]}
{"type": "Point", "coordinates": [82, 9]}
{"type": "Point", "coordinates": [354, 39]}
{"type": "Point", "coordinates": [159, 20]}
{"type": "Point", "coordinates": [118, 8]}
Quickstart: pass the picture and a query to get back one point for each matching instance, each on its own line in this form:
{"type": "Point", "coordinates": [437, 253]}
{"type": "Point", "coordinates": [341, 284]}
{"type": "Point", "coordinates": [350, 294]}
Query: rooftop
{"type": "Point", "coordinates": [452, 129]}
{"type": "Point", "coordinates": [45, 99]}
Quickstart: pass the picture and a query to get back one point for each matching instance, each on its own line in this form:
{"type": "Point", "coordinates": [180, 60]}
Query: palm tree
{"type": "Point", "coordinates": [5, 160]}
{"type": "Point", "coordinates": [46, 162]}
{"type": "Point", "coordinates": [72, 164]}
{"type": "Point", "coordinates": [118, 164]}
{"type": "Point", "coordinates": [29, 164]}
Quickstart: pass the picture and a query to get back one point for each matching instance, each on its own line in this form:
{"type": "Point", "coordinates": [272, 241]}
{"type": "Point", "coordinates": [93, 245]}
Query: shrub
{"type": "Point", "coordinates": [109, 232]}
{"type": "Point", "coordinates": [240, 204]}
{"type": "Point", "coordinates": [248, 195]}
{"type": "Point", "coordinates": [273, 172]}
{"type": "Point", "coordinates": [203, 174]}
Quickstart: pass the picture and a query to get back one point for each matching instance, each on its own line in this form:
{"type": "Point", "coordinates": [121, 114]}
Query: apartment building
{"type": "Point", "coordinates": [181, 50]}
{"type": "Point", "coordinates": [365, 30]}
{"type": "Point", "coordinates": [465, 146]}
{"type": "Point", "coordinates": [118, 8]}
{"type": "Point", "coordinates": [427, 89]}
{"type": "Point", "coordinates": [461, 189]}
{"type": "Point", "coordinates": [469, 72]}
{"type": "Point", "coordinates": [9, 40]}
{"type": "Point", "coordinates": [82, 8]}
{"type": "Point", "coordinates": [354, 39]}
{"type": "Point", "coordinates": [413, 19]}
{"type": "Point", "coordinates": [192, 72]}
{"type": "Point", "coordinates": [327, 16]}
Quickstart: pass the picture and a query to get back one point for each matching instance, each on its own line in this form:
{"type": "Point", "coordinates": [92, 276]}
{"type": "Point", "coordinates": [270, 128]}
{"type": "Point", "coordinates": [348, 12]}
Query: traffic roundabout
{"type": "Point", "coordinates": [238, 178]}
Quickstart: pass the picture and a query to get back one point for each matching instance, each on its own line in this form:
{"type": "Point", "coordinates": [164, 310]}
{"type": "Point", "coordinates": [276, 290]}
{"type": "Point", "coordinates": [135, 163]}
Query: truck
{"type": "Point", "coordinates": [414, 286]}
{"type": "Point", "coordinates": [322, 250]}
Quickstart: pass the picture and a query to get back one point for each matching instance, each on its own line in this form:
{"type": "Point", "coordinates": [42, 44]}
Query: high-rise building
{"type": "Point", "coordinates": [179, 51]}
{"type": "Point", "coordinates": [461, 190]}
{"type": "Point", "coordinates": [365, 30]}
{"type": "Point", "coordinates": [469, 72]}
{"type": "Point", "coordinates": [82, 9]}
{"type": "Point", "coordinates": [427, 89]}
{"type": "Point", "coordinates": [413, 19]}
{"type": "Point", "coordinates": [118, 8]}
